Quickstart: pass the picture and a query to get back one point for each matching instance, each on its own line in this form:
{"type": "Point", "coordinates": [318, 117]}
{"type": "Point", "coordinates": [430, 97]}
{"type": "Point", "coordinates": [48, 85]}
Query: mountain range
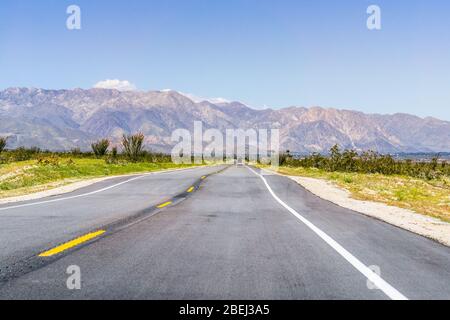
{"type": "Point", "coordinates": [64, 119]}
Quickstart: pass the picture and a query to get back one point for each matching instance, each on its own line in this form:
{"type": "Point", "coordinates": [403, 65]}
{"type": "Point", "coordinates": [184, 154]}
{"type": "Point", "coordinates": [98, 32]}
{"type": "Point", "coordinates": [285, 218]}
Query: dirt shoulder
{"type": "Point", "coordinates": [409, 220]}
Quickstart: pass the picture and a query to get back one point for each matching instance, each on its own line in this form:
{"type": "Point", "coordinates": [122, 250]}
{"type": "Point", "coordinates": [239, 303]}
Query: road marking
{"type": "Point", "coordinates": [72, 243]}
{"type": "Point", "coordinates": [190, 189]}
{"type": "Point", "coordinates": [204, 177]}
{"type": "Point", "coordinates": [390, 291]}
{"type": "Point", "coordinates": [92, 192]}
{"type": "Point", "coordinates": [165, 204]}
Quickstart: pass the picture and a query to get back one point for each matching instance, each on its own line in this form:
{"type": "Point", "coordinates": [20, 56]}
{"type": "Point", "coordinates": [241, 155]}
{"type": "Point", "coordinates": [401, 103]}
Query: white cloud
{"type": "Point", "coordinates": [121, 85]}
{"type": "Point", "coordinates": [200, 99]}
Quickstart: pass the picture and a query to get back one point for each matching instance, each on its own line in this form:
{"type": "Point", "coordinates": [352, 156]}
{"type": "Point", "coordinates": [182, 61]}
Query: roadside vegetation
{"type": "Point", "coordinates": [369, 162]}
{"type": "Point", "coordinates": [28, 170]}
{"type": "Point", "coordinates": [2, 143]}
{"type": "Point", "coordinates": [100, 148]}
{"type": "Point", "coordinates": [423, 187]}
{"type": "Point", "coordinates": [132, 146]}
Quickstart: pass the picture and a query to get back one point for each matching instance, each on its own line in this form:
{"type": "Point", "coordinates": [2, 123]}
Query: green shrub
{"type": "Point", "coordinates": [3, 141]}
{"type": "Point", "coordinates": [100, 148]}
{"type": "Point", "coordinates": [76, 152]}
{"type": "Point", "coordinates": [133, 145]}
{"type": "Point", "coordinates": [155, 157]}
{"type": "Point", "coordinates": [24, 154]}
{"type": "Point", "coordinates": [48, 161]}
{"type": "Point", "coordinates": [369, 162]}
{"type": "Point", "coordinates": [113, 157]}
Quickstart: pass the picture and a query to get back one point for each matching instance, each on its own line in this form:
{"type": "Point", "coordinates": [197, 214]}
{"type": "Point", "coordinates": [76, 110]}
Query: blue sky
{"type": "Point", "coordinates": [265, 53]}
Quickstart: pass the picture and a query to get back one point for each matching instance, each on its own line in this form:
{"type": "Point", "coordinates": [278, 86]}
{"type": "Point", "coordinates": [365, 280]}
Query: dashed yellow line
{"type": "Point", "coordinates": [165, 204]}
{"type": "Point", "coordinates": [92, 235]}
{"type": "Point", "coordinates": [72, 243]}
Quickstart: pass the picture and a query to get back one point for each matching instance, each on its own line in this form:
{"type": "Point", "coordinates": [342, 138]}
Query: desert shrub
{"type": "Point", "coordinates": [52, 160]}
{"type": "Point", "coordinates": [114, 152]}
{"type": "Point", "coordinates": [76, 152]}
{"type": "Point", "coordinates": [334, 162]}
{"type": "Point", "coordinates": [3, 141]}
{"type": "Point", "coordinates": [369, 162]}
{"type": "Point", "coordinates": [155, 157]}
{"type": "Point", "coordinates": [24, 154]}
{"type": "Point", "coordinates": [133, 145]}
{"type": "Point", "coordinates": [100, 147]}
{"type": "Point", "coordinates": [285, 158]}
{"type": "Point", "coordinates": [113, 157]}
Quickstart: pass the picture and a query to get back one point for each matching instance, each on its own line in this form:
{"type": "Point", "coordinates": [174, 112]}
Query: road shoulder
{"type": "Point", "coordinates": [72, 186]}
{"type": "Point", "coordinates": [406, 219]}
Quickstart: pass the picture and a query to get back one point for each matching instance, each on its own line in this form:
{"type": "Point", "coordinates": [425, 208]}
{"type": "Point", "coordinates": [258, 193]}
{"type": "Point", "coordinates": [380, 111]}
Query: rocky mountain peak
{"type": "Point", "coordinates": [62, 119]}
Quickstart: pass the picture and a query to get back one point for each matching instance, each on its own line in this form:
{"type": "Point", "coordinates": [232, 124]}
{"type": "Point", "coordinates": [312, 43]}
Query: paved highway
{"type": "Point", "coordinates": [211, 233]}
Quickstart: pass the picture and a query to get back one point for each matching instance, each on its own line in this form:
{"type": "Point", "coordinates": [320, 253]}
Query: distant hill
{"type": "Point", "coordinates": [63, 119]}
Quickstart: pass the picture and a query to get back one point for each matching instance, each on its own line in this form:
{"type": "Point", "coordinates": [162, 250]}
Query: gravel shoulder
{"type": "Point", "coordinates": [409, 220]}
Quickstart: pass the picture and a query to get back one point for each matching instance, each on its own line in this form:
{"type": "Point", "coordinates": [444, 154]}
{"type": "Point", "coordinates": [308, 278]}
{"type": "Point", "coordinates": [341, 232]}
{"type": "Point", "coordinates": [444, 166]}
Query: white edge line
{"type": "Point", "coordinates": [389, 290]}
{"type": "Point", "coordinates": [92, 192]}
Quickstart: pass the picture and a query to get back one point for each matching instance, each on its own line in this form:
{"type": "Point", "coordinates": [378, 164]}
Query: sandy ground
{"type": "Point", "coordinates": [420, 224]}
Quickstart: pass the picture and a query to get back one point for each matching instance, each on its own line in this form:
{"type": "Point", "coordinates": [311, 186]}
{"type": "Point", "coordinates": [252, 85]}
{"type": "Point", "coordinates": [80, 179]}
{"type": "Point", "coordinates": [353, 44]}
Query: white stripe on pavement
{"type": "Point", "coordinates": [389, 290]}
{"type": "Point", "coordinates": [92, 192]}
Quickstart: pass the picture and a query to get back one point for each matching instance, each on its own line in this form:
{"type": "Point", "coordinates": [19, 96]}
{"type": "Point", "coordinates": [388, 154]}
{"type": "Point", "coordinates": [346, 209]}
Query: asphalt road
{"type": "Point", "coordinates": [235, 235]}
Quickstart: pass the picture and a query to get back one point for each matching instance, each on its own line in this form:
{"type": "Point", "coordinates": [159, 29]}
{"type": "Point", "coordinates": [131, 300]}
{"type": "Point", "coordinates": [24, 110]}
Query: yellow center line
{"type": "Point", "coordinates": [72, 243]}
{"type": "Point", "coordinates": [204, 177]}
{"type": "Point", "coordinates": [165, 204]}
{"type": "Point", "coordinates": [190, 189]}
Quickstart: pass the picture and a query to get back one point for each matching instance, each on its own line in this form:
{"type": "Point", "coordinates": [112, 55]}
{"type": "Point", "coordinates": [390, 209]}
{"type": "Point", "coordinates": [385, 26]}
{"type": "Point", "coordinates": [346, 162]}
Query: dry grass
{"type": "Point", "coordinates": [430, 198]}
